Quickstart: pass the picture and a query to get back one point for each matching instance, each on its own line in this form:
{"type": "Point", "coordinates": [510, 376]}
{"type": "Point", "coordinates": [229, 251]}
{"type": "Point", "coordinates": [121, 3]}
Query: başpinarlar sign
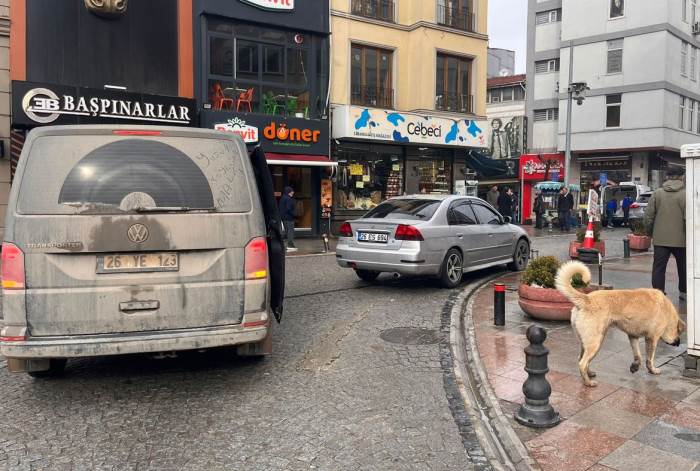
{"type": "Point", "coordinates": [35, 104]}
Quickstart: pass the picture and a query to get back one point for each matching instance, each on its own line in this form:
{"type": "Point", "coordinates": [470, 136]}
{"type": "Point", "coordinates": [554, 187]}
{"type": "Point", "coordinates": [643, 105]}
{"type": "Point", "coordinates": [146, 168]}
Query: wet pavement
{"type": "Point", "coordinates": [630, 421]}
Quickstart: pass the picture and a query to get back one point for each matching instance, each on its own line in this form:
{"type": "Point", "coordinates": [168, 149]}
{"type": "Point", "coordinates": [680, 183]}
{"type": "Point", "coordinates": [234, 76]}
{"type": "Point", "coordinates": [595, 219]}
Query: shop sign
{"type": "Point", "coordinates": [534, 166]}
{"type": "Point", "coordinates": [598, 165]}
{"type": "Point", "coordinates": [36, 104]}
{"type": "Point", "coordinates": [274, 5]}
{"type": "Point", "coordinates": [237, 126]}
{"type": "Point", "coordinates": [385, 125]}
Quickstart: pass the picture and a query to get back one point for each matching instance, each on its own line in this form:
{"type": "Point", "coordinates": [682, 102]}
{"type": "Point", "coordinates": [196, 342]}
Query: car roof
{"type": "Point", "coordinates": [422, 196]}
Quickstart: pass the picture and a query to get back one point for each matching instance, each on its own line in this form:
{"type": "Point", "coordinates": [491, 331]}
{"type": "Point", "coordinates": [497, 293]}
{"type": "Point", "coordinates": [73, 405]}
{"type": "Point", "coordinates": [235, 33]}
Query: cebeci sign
{"type": "Point", "coordinates": [40, 104]}
{"type": "Point", "coordinates": [274, 5]}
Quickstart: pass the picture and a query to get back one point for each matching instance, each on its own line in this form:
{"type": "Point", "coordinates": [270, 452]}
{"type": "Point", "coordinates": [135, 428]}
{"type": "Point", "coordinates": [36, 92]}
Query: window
{"type": "Point", "coordinates": [551, 114]}
{"type": "Point", "coordinates": [550, 65]}
{"type": "Point", "coordinates": [507, 94]}
{"type": "Point", "coordinates": [456, 14]}
{"type": "Point", "coordinates": [615, 56]}
{"type": "Point", "coordinates": [453, 84]}
{"type": "Point", "coordinates": [549, 16]}
{"type": "Point", "coordinates": [614, 105]}
{"type": "Point", "coordinates": [371, 76]}
{"type": "Point", "coordinates": [684, 58]}
{"type": "Point", "coordinates": [691, 115]}
{"type": "Point", "coordinates": [617, 8]}
{"type": "Point", "coordinates": [681, 116]}
{"type": "Point", "coordinates": [684, 10]}
{"type": "Point", "coordinates": [461, 214]}
{"type": "Point", "coordinates": [693, 11]}
{"type": "Point", "coordinates": [413, 209]}
{"type": "Point", "coordinates": [485, 215]}
{"type": "Point", "coordinates": [377, 9]}
{"type": "Point", "coordinates": [693, 63]}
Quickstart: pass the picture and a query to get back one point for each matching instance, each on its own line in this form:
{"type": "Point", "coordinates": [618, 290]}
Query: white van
{"type": "Point", "coordinates": [619, 192]}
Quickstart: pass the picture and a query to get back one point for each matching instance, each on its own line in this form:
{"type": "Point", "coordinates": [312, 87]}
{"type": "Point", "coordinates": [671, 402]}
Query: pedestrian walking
{"type": "Point", "coordinates": [626, 203]}
{"type": "Point", "coordinates": [288, 213]}
{"type": "Point", "coordinates": [492, 196]}
{"type": "Point", "coordinates": [538, 209]}
{"type": "Point", "coordinates": [564, 207]}
{"type": "Point", "coordinates": [665, 222]}
{"type": "Point", "coordinates": [610, 210]}
{"type": "Point", "coordinates": [505, 203]}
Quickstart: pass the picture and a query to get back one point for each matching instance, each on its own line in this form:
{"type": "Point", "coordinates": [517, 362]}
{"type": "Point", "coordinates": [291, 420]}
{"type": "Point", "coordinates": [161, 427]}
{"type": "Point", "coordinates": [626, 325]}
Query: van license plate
{"type": "Point", "coordinates": [138, 262]}
{"type": "Point", "coordinates": [377, 237]}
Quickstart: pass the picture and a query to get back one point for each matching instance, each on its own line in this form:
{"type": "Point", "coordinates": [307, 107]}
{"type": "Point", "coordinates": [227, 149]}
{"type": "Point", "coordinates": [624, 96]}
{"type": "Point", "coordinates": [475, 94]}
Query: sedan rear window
{"type": "Point", "coordinates": [418, 209]}
{"type": "Point", "coordinates": [103, 174]}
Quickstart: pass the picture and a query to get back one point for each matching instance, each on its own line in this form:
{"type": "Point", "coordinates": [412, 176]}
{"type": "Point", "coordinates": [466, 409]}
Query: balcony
{"type": "Point", "coordinates": [455, 103]}
{"type": "Point", "coordinates": [376, 97]}
{"type": "Point", "coordinates": [459, 18]}
{"type": "Point", "coordinates": [382, 10]}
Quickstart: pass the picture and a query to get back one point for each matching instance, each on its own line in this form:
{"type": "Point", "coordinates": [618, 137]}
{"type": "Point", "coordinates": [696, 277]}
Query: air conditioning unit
{"type": "Point", "coordinates": [696, 28]}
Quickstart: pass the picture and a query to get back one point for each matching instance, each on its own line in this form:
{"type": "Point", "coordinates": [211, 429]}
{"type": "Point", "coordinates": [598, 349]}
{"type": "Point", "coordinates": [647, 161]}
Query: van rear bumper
{"type": "Point", "coordinates": [141, 342]}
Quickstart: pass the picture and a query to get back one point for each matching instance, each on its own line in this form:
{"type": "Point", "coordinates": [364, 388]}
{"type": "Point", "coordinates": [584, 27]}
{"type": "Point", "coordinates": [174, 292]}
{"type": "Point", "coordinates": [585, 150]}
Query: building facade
{"type": "Point", "coordinates": [640, 60]}
{"type": "Point", "coordinates": [501, 62]}
{"type": "Point", "coordinates": [5, 106]}
{"type": "Point", "coordinates": [408, 96]}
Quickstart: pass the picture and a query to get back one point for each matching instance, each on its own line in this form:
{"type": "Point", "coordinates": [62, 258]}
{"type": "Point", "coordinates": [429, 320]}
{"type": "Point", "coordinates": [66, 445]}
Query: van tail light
{"type": "Point", "coordinates": [136, 132]}
{"type": "Point", "coordinates": [12, 267]}
{"type": "Point", "coordinates": [404, 232]}
{"type": "Point", "coordinates": [256, 260]}
{"type": "Point", "coordinates": [346, 230]}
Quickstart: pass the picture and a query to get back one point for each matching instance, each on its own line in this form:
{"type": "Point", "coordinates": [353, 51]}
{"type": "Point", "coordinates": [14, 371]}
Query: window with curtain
{"type": "Point", "coordinates": [453, 84]}
{"type": "Point", "coordinates": [371, 76]}
{"type": "Point", "coordinates": [615, 56]}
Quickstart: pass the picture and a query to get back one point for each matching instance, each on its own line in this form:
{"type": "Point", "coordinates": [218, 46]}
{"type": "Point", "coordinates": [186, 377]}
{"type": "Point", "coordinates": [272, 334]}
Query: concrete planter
{"type": "Point", "coordinates": [639, 243]}
{"type": "Point", "coordinates": [574, 245]}
{"type": "Point", "coordinates": [546, 303]}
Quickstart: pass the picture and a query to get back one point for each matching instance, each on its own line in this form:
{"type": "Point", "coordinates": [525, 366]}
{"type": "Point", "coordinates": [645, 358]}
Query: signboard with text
{"type": "Point", "coordinates": [534, 166]}
{"type": "Point", "coordinates": [273, 5]}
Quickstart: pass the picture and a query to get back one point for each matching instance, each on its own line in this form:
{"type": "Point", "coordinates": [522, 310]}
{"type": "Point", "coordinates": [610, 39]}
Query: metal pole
{"type": "Point", "coordinates": [499, 304]}
{"type": "Point", "coordinates": [567, 155]}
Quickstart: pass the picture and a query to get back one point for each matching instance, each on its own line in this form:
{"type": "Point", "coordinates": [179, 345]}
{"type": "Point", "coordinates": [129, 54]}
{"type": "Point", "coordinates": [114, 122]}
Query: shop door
{"type": "Point", "coordinates": [301, 179]}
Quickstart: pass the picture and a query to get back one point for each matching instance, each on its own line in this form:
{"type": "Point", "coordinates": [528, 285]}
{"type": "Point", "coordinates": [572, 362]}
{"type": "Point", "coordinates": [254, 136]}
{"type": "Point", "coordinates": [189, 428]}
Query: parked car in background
{"type": "Point", "coordinates": [640, 205]}
{"type": "Point", "coordinates": [618, 192]}
{"type": "Point", "coordinates": [106, 251]}
{"type": "Point", "coordinates": [440, 236]}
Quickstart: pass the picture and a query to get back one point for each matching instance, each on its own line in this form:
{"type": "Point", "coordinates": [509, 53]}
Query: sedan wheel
{"type": "Point", "coordinates": [452, 269]}
{"type": "Point", "coordinates": [521, 257]}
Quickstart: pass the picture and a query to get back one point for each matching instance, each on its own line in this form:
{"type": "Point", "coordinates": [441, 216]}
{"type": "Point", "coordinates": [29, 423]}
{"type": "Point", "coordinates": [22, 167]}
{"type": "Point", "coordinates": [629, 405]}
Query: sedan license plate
{"type": "Point", "coordinates": [138, 262]}
{"type": "Point", "coordinates": [376, 237]}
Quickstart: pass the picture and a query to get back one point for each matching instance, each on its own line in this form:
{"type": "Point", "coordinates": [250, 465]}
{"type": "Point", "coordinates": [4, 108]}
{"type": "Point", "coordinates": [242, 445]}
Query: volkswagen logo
{"type": "Point", "coordinates": [137, 233]}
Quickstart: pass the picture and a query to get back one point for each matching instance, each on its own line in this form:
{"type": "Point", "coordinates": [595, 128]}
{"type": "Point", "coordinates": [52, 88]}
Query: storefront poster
{"type": "Point", "coordinates": [534, 166]}
{"type": "Point", "coordinates": [386, 125]}
{"type": "Point", "coordinates": [356, 169]}
{"type": "Point", "coordinates": [506, 137]}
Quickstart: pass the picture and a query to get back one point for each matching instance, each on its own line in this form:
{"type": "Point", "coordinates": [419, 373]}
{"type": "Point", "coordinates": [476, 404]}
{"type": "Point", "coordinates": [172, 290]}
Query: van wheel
{"type": "Point", "coordinates": [57, 367]}
{"type": "Point", "coordinates": [521, 256]}
{"type": "Point", "coordinates": [367, 275]}
{"type": "Point", "coordinates": [452, 269]}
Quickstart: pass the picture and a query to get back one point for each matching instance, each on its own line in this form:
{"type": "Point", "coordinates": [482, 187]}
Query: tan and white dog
{"type": "Point", "coordinates": [640, 313]}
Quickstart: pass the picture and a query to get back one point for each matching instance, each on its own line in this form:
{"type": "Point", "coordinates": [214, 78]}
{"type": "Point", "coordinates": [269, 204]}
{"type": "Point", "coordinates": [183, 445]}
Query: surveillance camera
{"type": "Point", "coordinates": [579, 101]}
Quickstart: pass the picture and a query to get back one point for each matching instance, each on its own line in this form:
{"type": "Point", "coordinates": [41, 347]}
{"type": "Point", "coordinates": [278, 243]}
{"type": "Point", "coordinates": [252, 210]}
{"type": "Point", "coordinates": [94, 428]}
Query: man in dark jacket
{"type": "Point", "coordinates": [665, 221]}
{"type": "Point", "coordinates": [564, 207]}
{"type": "Point", "coordinates": [505, 203]}
{"type": "Point", "coordinates": [288, 213]}
{"type": "Point", "coordinates": [538, 209]}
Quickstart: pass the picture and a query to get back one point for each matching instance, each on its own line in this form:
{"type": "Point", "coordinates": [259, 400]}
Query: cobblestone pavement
{"type": "Point", "coordinates": [334, 395]}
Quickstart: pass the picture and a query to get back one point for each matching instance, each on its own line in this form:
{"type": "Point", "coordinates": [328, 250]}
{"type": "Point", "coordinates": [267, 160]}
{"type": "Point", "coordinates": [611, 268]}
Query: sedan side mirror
{"type": "Point", "coordinates": [507, 219]}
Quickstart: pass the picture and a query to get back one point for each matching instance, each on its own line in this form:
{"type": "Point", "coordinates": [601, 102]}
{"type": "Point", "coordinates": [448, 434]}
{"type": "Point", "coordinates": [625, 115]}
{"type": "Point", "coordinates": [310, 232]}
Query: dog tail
{"type": "Point", "coordinates": [563, 282]}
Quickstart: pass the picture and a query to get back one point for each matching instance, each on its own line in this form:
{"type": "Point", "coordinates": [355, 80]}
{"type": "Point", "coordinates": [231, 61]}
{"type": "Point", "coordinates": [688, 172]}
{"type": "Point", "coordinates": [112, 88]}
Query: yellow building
{"type": "Point", "coordinates": [408, 97]}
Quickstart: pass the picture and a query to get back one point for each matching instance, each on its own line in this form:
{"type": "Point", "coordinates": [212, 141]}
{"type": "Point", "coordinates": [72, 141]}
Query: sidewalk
{"type": "Point", "coordinates": [629, 422]}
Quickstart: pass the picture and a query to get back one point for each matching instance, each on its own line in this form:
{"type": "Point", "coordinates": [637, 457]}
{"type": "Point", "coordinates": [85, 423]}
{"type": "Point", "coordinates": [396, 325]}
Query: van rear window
{"type": "Point", "coordinates": [105, 174]}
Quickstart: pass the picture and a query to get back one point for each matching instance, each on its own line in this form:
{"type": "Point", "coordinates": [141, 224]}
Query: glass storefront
{"type": "Point", "coordinates": [368, 175]}
{"type": "Point", "coordinates": [617, 170]}
{"type": "Point", "coordinates": [434, 170]}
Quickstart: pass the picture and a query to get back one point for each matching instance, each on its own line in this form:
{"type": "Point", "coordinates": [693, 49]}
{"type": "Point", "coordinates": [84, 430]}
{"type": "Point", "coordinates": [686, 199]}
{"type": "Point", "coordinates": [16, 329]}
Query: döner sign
{"type": "Point", "coordinates": [280, 5]}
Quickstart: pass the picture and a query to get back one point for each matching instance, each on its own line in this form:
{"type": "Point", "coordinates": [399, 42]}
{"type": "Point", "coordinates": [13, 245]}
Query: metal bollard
{"type": "Point", "coordinates": [537, 412]}
{"type": "Point", "coordinates": [626, 247]}
{"type": "Point", "coordinates": [499, 304]}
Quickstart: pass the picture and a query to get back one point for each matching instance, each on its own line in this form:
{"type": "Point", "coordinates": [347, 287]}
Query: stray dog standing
{"type": "Point", "coordinates": [640, 313]}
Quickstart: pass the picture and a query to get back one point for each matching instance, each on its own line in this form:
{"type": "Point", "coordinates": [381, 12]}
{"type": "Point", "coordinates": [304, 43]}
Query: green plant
{"type": "Point", "coordinates": [638, 227]}
{"type": "Point", "coordinates": [577, 281]}
{"type": "Point", "coordinates": [581, 234]}
{"type": "Point", "coordinates": [541, 272]}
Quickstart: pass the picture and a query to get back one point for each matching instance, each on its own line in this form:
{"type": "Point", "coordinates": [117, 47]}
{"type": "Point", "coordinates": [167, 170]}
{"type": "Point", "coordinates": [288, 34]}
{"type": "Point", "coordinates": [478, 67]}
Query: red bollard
{"type": "Point", "coordinates": [499, 304]}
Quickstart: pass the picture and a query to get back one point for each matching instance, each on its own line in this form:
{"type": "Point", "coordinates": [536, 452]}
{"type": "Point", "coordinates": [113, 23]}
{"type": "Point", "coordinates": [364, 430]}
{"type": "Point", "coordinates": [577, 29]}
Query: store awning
{"type": "Point", "coordinates": [299, 160]}
{"type": "Point", "coordinates": [555, 186]}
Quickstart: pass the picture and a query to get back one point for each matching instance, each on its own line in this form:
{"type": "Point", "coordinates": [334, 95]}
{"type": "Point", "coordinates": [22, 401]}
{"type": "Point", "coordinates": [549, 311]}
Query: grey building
{"type": "Point", "coordinates": [640, 60]}
{"type": "Point", "coordinates": [501, 62]}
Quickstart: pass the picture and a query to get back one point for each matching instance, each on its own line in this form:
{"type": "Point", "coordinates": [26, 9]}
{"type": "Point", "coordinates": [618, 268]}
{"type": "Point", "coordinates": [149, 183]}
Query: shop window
{"type": "Point", "coordinates": [453, 84]}
{"type": "Point", "coordinates": [272, 60]}
{"type": "Point", "coordinates": [368, 175]}
{"type": "Point", "coordinates": [371, 76]}
{"type": "Point", "coordinates": [221, 54]}
{"type": "Point", "coordinates": [434, 170]}
{"type": "Point", "coordinates": [613, 104]}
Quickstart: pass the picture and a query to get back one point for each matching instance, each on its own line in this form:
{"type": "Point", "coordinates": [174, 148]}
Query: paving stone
{"type": "Point", "coordinates": [616, 421]}
{"type": "Point", "coordinates": [634, 456]}
{"type": "Point", "coordinates": [671, 438]}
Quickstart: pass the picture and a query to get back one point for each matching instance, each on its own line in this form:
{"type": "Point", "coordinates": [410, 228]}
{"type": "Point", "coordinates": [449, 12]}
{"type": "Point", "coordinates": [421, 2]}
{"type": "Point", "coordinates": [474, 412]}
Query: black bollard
{"type": "Point", "coordinates": [537, 412]}
{"type": "Point", "coordinates": [626, 247]}
{"type": "Point", "coordinates": [499, 304]}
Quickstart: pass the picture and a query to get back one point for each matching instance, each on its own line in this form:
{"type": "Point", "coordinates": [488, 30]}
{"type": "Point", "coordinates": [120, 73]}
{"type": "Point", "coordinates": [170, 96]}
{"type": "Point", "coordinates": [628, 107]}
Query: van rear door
{"type": "Point", "coordinates": [131, 231]}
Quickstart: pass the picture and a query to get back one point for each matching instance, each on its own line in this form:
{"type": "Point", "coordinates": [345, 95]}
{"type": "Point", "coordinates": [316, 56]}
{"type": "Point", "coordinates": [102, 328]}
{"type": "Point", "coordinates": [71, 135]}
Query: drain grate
{"type": "Point", "coordinates": [410, 336]}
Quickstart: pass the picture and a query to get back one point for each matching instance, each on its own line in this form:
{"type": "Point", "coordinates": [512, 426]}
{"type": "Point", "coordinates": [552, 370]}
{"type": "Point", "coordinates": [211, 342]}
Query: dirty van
{"type": "Point", "coordinates": [126, 239]}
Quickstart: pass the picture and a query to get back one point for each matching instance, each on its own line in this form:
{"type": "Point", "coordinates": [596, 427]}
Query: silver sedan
{"type": "Point", "coordinates": [441, 236]}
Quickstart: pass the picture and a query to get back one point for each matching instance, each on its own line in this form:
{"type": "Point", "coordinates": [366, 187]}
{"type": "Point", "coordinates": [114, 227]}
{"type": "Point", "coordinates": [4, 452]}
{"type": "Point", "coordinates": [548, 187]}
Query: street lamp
{"type": "Point", "coordinates": [577, 91]}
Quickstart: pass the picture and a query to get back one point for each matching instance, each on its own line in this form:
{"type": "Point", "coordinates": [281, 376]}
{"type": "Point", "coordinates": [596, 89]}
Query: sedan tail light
{"type": "Point", "coordinates": [12, 267]}
{"type": "Point", "coordinates": [346, 230]}
{"type": "Point", "coordinates": [404, 232]}
{"type": "Point", "coordinates": [634, 206]}
{"type": "Point", "coordinates": [256, 259]}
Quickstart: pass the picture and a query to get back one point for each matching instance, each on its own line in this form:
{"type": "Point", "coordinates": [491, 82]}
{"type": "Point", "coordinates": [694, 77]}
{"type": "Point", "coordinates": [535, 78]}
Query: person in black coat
{"type": "Point", "coordinates": [288, 214]}
{"type": "Point", "coordinates": [505, 203]}
{"type": "Point", "coordinates": [564, 207]}
{"type": "Point", "coordinates": [538, 209]}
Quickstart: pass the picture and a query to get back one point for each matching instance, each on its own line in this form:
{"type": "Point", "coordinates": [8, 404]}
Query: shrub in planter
{"type": "Point", "coordinates": [580, 235]}
{"type": "Point", "coordinates": [537, 296]}
{"type": "Point", "coordinates": [639, 240]}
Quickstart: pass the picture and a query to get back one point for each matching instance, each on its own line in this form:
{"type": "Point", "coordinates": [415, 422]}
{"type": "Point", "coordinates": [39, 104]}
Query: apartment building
{"type": "Point", "coordinates": [408, 97]}
{"type": "Point", "coordinates": [640, 61]}
{"type": "Point", "coordinates": [4, 108]}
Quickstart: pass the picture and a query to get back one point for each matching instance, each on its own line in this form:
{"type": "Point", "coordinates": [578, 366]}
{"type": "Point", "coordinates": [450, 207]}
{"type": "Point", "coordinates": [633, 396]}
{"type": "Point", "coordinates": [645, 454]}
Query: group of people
{"type": "Point", "coordinates": [565, 205]}
{"type": "Point", "coordinates": [611, 208]}
{"type": "Point", "coordinates": [505, 201]}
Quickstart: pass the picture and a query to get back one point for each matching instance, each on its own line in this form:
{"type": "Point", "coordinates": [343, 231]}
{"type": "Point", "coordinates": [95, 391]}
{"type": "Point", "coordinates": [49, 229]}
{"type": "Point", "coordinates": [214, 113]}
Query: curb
{"type": "Point", "coordinates": [502, 447]}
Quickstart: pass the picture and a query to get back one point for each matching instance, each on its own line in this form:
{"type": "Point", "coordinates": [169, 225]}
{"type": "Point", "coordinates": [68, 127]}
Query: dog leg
{"type": "Point", "coordinates": [651, 351]}
{"type": "Point", "coordinates": [634, 342]}
{"type": "Point", "coordinates": [591, 373]}
{"type": "Point", "coordinates": [590, 350]}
